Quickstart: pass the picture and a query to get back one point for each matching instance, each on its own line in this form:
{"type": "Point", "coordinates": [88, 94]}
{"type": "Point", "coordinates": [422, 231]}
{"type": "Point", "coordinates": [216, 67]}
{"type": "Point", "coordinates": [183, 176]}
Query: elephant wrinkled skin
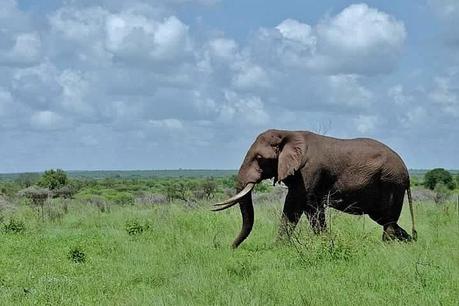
{"type": "Point", "coordinates": [357, 176]}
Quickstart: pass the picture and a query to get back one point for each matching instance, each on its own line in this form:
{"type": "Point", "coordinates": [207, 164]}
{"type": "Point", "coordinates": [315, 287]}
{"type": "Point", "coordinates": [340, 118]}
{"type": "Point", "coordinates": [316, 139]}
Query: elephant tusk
{"type": "Point", "coordinates": [233, 200]}
{"type": "Point", "coordinates": [218, 208]}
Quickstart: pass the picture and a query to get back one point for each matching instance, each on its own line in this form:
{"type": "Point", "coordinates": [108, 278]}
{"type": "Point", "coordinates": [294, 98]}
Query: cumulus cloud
{"type": "Point", "coordinates": [358, 40]}
{"type": "Point", "coordinates": [137, 78]}
{"type": "Point", "coordinates": [446, 95]}
{"type": "Point", "coordinates": [47, 120]}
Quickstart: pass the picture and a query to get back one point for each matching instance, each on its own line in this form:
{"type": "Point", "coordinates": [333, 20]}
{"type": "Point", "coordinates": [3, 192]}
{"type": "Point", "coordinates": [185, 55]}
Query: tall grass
{"type": "Point", "coordinates": [182, 257]}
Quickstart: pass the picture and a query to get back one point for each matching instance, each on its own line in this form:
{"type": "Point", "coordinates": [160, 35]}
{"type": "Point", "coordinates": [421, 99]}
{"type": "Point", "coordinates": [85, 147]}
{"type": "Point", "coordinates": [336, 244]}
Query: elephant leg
{"type": "Point", "coordinates": [291, 214]}
{"type": "Point", "coordinates": [316, 215]}
{"type": "Point", "coordinates": [391, 207]}
{"type": "Point", "coordinates": [393, 231]}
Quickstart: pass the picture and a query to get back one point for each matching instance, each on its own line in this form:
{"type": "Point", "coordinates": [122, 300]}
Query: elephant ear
{"type": "Point", "coordinates": [292, 156]}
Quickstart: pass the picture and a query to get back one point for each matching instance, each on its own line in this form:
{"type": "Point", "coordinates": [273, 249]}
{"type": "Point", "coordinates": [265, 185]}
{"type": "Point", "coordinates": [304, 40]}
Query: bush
{"type": "Point", "coordinates": [135, 227]}
{"type": "Point", "coordinates": [77, 255]}
{"type": "Point", "coordinates": [123, 198]}
{"type": "Point", "coordinates": [14, 226]}
{"type": "Point", "coordinates": [438, 175]}
{"type": "Point", "coordinates": [53, 179]}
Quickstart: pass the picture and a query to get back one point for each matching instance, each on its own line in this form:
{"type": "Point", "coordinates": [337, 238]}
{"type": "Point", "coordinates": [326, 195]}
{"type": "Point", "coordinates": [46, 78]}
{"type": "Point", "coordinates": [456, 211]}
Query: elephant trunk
{"type": "Point", "coordinates": [247, 178]}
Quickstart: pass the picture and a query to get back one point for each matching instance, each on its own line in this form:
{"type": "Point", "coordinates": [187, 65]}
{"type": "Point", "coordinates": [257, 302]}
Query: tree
{"type": "Point", "coordinates": [53, 179]}
{"type": "Point", "coordinates": [438, 175]}
{"type": "Point", "coordinates": [209, 187]}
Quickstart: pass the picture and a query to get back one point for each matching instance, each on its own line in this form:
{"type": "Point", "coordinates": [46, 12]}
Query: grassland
{"type": "Point", "coordinates": [174, 254]}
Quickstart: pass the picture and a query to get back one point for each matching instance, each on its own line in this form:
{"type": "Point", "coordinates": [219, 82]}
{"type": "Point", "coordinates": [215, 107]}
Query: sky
{"type": "Point", "coordinates": [143, 84]}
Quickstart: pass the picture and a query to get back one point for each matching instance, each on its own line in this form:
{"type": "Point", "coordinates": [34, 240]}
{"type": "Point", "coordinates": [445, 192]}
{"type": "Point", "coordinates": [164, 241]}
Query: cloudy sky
{"type": "Point", "coordinates": [156, 84]}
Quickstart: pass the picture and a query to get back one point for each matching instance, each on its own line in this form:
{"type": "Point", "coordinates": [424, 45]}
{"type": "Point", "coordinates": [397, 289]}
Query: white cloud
{"type": "Point", "coordinates": [47, 120]}
{"type": "Point", "coordinates": [446, 95]}
{"type": "Point", "coordinates": [223, 48]}
{"type": "Point", "coordinates": [345, 90]}
{"type": "Point", "coordinates": [249, 110]}
{"type": "Point", "coordinates": [134, 78]}
{"type": "Point", "coordinates": [250, 76]}
{"type": "Point", "coordinates": [130, 35]}
{"type": "Point", "coordinates": [366, 124]}
{"type": "Point", "coordinates": [296, 31]}
{"type": "Point", "coordinates": [398, 95]}
{"type": "Point", "coordinates": [361, 40]}
{"type": "Point", "coordinates": [75, 93]}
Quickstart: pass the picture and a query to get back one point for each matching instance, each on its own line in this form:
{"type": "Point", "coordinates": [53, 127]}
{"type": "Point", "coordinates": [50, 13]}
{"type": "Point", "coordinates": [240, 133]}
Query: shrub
{"type": "Point", "coordinates": [135, 227]}
{"type": "Point", "coordinates": [123, 198]}
{"type": "Point", "coordinates": [208, 187]}
{"type": "Point", "coordinates": [176, 190]}
{"type": "Point", "coordinates": [14, 226]}
{"type": "Point", "coordinates": [53, 179]}
{"type": "Point", "coordinates": [65, 192]}
{"type": "Point", "coordinates": [438, 175]}
{"type": "Point", "coordinates": [77, 255]}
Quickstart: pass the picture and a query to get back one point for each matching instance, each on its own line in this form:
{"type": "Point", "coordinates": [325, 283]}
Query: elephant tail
{"type": "Point", "coordinates": [410, 202]}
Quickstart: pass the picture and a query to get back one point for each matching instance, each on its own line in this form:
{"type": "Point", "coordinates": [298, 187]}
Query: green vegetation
{"type": "Point", "coordinates": [53, 179]}
{"type": "Point", "coordinates": [154, 241]}
{"type": "Point", "coordinates": [439, 176]}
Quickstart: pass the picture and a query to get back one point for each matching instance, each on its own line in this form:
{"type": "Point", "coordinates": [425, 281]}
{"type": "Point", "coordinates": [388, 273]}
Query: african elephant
{"type": "Point", "coordinates": [357, 176]}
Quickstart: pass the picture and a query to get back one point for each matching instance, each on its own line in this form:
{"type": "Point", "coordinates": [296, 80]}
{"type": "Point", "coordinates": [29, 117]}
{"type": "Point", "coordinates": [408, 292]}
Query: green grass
{"type": "Point", "coordinates": [182, 257]}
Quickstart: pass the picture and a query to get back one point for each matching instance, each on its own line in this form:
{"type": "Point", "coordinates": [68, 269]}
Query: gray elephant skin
{"type": "Point", "coordinates": [356, 176]}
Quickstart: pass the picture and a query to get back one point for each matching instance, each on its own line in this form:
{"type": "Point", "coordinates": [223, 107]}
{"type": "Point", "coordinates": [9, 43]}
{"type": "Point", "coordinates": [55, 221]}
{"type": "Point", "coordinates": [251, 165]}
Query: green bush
{"type": "Point", "coordinates": [438, 175]}
{"type": "Point", "coordinates": [14, 226]}
{"type": "Point", "coordinates": [77, 255]}
{"type": "Point", "coordinates": [123, 198]}
{"type": "Point", "coordinates": [135, 227]}
{"type": "Point", "coordinates": [53, 179]}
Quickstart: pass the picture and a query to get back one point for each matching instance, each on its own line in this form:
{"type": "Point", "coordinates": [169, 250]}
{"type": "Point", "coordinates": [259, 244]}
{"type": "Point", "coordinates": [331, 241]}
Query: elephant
{"type": "Point", "coordinates": [357, 176]}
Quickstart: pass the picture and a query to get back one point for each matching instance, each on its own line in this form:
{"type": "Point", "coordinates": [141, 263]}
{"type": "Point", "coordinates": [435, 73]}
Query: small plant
{"type": "Point", "coordinates": [77, 255]}
{"type": "Point", "coordinates": [135, 227]}
{"type": "Point", "coordinates": [14, 226]}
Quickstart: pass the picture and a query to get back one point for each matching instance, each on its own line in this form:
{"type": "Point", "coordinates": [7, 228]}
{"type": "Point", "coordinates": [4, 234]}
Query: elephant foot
{"type": "Point", "coordinates": [394, 232]}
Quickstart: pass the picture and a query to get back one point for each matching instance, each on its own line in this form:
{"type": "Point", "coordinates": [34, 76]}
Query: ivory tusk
{"type": "Point", "coordinates": [233, 200]}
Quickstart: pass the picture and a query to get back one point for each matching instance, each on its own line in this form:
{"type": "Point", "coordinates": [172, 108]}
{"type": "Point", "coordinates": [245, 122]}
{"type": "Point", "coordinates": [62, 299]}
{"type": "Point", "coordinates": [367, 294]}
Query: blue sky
{"type": "Point", "coordinates": [111, 84]}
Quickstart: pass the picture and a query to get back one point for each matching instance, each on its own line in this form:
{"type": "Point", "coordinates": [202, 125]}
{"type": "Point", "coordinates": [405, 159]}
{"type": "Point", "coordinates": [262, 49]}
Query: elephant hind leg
{"type": "Point", "coordinates": [389, 213]}
{"type": "Point", "coordinates": [393, 231]}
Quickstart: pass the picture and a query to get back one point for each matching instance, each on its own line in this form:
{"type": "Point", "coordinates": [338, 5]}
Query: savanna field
{"type": "Point", "coordinates": [156, 242]}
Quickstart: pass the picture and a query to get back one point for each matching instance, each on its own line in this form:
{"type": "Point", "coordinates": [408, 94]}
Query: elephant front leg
{"type": "Point", "coordinates": [290, 215]}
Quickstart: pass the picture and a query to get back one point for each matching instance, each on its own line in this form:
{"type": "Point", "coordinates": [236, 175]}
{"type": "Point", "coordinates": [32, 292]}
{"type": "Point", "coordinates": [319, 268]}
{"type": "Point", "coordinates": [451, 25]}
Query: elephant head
{"type": "Point", "coordinates": [274, 154]}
